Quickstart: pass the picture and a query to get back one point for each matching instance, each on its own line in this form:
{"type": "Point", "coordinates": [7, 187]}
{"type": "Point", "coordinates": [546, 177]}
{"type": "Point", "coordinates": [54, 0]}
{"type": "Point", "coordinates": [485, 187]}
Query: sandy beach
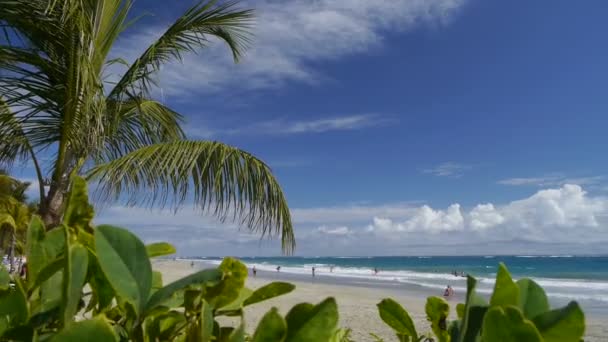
{"type": "Point", "coordinates": [356, 302]}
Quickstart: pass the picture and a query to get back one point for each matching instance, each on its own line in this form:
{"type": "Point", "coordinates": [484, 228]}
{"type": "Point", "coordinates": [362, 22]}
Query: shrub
{"type": "Point", "coordinates": [517, 311]}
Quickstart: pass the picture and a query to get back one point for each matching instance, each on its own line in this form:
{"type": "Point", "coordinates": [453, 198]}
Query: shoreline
{"type": "Point", "coordinates": [356, 299]}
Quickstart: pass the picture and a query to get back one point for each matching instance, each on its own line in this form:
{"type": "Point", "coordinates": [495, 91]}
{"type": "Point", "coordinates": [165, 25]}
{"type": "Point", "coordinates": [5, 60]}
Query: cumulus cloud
{"type": "Point", "coordinates": [564, 219]}
{"type": "Point", "coordinates": [548, 215]}
{"type": "Point", "coordinates": [289, 38]}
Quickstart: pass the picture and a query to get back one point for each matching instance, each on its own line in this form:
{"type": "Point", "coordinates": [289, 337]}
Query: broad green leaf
{"type": "Point", "coordinates": [506, 291]}
{"type": "Point", "coordinates": [206, 322]}
{"type": "Point", "coordinates": [91, 330]}
{"type": "Point", "coordinates": [272, 327]}
{"type": "Point", "coordinates": [454, 330]}
{"type": "Point", "coordinates": [73, 281]}
{"type": "Point", "coordinates": [266, 292]}
{"type": "Point", "coordinates": [157, 281]}
{"type": "Point", "coordinates": [474, 311]}
{"type": "Point", "coordinates": [437, 311]}
{"type": "Point", "coordinates": [395, 316]}
{"type": "Point", "coordinates": [34, 249]}
{"type": "Point", "coordinates": [103, 293]}
{"type": "Point", "coordinates": [159, 249]}
{"type": "Point", "coordinates": [5, 279]}
{"type": "Point", "coordinates": [78, 213]}
{"type": "Point", "coordinates": [507, 324]}
{"type": "Point", "coordinates": [233, 280]}
{"type": "Point", "coordinates": [54, 242]}
{"type": "Point", "coordinates": [210, 277]}
{"type": "Point", "coordinates": [236, 305]}
{"type": "Point", "coordinates": [124, 261]}
{"type": "Point", "coordinates": [238, 335]}
{"type": "Point", "coordinates": [13, 307]}
{"type": "Point", "coordinates": [48, 271]}
{"type": "Point", "coordinates": [562, 325]}
{"type": "Point", "coordinates": [532, 298]}
{"type": "Point", "coordinates": [460, 310]}
{"type": "Point", "coordinates": [168, 323]}
{"type": "Point", "coordinates": [316, 323]}
{"type": "Point", "coordinates": [51, 292]}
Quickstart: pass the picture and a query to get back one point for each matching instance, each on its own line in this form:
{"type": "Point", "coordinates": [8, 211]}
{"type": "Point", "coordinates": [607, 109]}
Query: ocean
{"type": "Point", "coordinates": [564, 278]}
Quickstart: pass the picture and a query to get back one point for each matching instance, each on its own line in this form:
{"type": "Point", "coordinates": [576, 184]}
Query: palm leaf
{"type": "Point", "coordinates": [223, 180]}
{"type": "Point", "coordinates": [190, 32]}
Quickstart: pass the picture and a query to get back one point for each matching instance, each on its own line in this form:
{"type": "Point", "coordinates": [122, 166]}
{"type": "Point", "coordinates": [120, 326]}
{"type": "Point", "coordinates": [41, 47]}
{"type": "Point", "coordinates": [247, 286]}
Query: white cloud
{"type": "Point", "coordinates": [448, 169]}
{"type": "Point", "coordinates": [425, 219]}
{"type": "Point", "coordinates": [289, 38]}
{"type": "Point", "coordinates": [555, 179]}
{"type": "Point", "coordinates": [286, 127]}
{"type": "Point", "coordinates": [551, 220]}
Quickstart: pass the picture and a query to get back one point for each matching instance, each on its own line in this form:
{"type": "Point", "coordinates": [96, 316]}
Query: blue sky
{"type": "Point", "coordinates": [405, 126]}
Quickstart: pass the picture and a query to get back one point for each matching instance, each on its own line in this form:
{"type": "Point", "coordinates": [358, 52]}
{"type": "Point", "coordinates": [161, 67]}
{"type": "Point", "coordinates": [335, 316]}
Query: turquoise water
{"type": "Point", "coordinates": [564, 277]}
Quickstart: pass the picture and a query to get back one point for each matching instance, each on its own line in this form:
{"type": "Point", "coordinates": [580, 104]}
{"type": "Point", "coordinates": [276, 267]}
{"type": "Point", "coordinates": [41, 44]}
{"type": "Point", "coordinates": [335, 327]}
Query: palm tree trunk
{"type": "Point", "coordinates": [51, 209]}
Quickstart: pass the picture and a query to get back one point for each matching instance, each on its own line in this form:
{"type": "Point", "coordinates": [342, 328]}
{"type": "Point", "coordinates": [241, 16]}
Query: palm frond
{"type": "Point", "coordinates": [189, 32]}
{"type": "Point", "coordinates": [223, 180]}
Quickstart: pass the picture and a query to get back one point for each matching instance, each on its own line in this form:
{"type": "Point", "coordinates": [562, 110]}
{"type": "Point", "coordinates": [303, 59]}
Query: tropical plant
{"type": "Point", "coordinates": [517, 311]}
{"type": "Point", "coordinates": [125, 300]}
{"type": "Point", "coordinates": [58, 105]}
{"type": "Point", "coordinates": [15, 215]}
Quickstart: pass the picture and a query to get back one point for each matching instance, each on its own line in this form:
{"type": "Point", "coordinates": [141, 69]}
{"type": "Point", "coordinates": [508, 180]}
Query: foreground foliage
{"type": "Point", "coordinates": [88, 283]}
{"type": "Point", "coordinates": [97, 284]}
{"type": "Point", "coordinates": [517, 311]}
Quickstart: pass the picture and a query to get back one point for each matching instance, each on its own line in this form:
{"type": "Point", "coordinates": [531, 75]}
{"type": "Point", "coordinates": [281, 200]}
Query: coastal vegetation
{"type": "Point", "coordinates": [64, 110]}
{"type": "Point", "coordinates": [97, 284]}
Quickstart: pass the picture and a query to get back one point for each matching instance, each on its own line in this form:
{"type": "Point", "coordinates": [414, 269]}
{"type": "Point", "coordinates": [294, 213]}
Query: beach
{"type": "Point", "coordinates": [356, 300]}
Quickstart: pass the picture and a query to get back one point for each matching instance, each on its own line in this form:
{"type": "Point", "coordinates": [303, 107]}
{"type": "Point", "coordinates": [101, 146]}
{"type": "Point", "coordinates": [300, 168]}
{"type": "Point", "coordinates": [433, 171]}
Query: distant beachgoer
{"type": "Point", "coordinates": [375, 270]}
{"type": "Point", "coordinates": [192, 264]}
{"type": "Point", "coordinates": [313, 271]}
{"type": "Point", "coordinates": [446, 292]}
{"type": "Point", "coordinates": [331, 269]}
{"type": "Point", "coordinates": [278, 268]}
{"type": "Point", "coordinates": [254, 271]}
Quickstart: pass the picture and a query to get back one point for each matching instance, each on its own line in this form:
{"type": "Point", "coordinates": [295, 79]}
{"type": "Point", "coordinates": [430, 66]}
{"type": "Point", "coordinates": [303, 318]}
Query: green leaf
{"type": "Point", "coordinates": [91, 330]}
{"type": "Point", "coordinates": [206, 323]}
{"type": "Point", "coordinates": [5, 278]}
{"type": "Point", "coordinates": [437, 311]}
{"type": "Point", "coordinates": [159, 249]}
{"type": "Point", "coordinates": [266, 292]}
{"type": "Point", "coordinates": [564, 325]}
{"type": "Point", "coordinates": [157, 281]}
{"type": "Point", "coordinates": [507, 324]}
{"type": "Point", "coordinates": [234, 308]}
{"type": "Point", "coordinates": [165, 325]}
{"type": "Point", "coordinates": [36, 254]}
{"type": "Point", "coordinates": [272, 327]}
{"type": "Point", "coordinates": [103, 293]}
{"type": "Point", "coordinates": [312, 323]}
{"type": "Point", "coordinates": [532, 298]}
{"type": "Point", "coordinates": [454, 330]}
{"type": "Point", "coordinates": [51, 292]}
{"type": "Point", "coordinates": [238, 335]}
{"type": "Point", "coordinates": [124, 261]}
{"type": "Point", "coordinates": [474, 311]}
{"type": "Point", "coordinates": [54, 242]}
{"type": "Point", "coordinates": [210, 277]}
{"type": "Point", "coordinates": [78, 213]}
{"type": "Point", "coordinates": [460, 310]}
{"type": "Point", "coordinates": [395, 316]}
{"type": "Point", "coordinates": [506, 291]}
{"type": "Point", "coordinates": [13, 308]}
{"type": "Point", "coordinates": [73, 281]}
{"type": "Point", "coordinates": [233, 280]}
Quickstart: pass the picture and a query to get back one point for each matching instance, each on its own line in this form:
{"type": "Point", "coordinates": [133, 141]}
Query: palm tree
{"type": "Point", "coordinates": [56, 101]}
{"type": "Point", "coordinates": [15, 216]}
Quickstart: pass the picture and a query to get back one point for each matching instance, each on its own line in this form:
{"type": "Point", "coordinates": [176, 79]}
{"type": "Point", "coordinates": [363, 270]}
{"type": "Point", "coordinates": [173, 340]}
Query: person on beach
{"type": "Point", "coordinates": [254, 271]}
{"type": "Point", "coordinates": [375, 270]}
{"type": "Point", "coordinates": [313, 271]}
{"type": "Point", "coordinates": [278, 268]}
{"type": "Point", "coordinates": [331, 269]}
{"type": "Point", "coordinates": [192, 264]}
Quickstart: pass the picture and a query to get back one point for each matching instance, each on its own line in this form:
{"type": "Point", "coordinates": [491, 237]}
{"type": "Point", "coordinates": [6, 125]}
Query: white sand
{"type": "Point", "coordinates": [357, 305]}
